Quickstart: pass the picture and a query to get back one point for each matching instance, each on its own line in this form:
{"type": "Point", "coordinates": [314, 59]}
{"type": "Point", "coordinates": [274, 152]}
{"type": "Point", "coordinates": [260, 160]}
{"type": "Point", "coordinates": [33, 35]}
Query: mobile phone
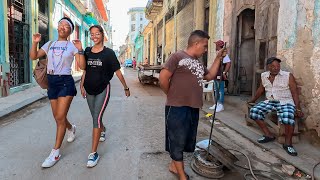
{"type": "Point", "coordinates": [225, 45]}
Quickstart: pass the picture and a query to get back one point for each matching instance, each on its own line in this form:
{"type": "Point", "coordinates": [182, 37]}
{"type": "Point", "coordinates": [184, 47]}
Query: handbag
{"type": "Point", "coordinates": [40, 71]}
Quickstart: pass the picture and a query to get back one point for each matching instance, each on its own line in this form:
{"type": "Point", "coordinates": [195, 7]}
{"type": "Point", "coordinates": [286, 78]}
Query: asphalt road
{"type": "Point", "coordinates": [134, 146]}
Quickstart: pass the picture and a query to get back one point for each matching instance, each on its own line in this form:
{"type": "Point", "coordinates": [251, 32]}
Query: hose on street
{"type": "Point", "coordinates": [314, 168]}
{"type": "Point", "coordinates": [254, 175]}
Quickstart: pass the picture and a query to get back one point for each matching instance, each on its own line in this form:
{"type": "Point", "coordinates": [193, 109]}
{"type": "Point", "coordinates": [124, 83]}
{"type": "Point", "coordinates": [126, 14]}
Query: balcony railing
{"type": "Point", "coordinates": [153, 8]}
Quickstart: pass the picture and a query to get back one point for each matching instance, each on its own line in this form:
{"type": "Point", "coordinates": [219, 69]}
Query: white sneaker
{"type": "Point", "coordinates": [93, 159]}
{"type": "Point", "coordinates": [52, 159]}
{"type": "Point", "coordinates": [71, 133]}
{"type": "Point", "coordinates": [212, 107]}
{"type": "Point", "coordinates": [219, 108]}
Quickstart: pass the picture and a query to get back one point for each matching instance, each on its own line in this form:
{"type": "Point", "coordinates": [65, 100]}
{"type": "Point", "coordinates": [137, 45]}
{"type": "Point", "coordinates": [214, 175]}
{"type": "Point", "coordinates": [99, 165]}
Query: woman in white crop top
{"type": "Point", "coordinates": [61, 87]}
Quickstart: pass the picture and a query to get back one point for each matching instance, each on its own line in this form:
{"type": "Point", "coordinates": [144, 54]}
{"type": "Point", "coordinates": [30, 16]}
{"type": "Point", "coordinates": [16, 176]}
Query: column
{"type": "Point", "coordinates": [163, 37]}
{"type": "Point", "coordinates": [175, 26]}
{"type": "Point", "coordinates": [199, 14]}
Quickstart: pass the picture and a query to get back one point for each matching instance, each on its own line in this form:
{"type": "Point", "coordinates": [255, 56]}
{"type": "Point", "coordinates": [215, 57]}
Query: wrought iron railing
{"type": "Point", "coordinates": [18, 31]}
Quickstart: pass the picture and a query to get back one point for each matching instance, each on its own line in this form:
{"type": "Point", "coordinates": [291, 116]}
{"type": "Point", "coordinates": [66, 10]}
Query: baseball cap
{"type": "Point", "coordinates": [219, 43]}
{"type": "Point", "coordinates": [270, 60]}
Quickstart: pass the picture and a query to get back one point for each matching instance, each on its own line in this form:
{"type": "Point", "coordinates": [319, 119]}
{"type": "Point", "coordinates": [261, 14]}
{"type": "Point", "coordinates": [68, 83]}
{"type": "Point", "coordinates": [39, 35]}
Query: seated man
{"type": "Point", "coordinates": [281, 93]}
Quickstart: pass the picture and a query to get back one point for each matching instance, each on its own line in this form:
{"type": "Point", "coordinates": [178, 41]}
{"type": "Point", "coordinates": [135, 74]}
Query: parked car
{"type": "Point", "coordinates": [128, 63]}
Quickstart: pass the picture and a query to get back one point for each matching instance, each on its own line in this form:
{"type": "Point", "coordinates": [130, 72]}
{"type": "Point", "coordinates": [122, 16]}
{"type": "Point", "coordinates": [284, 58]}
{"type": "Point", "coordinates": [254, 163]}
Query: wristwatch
{"type": "Point", "coordinates": [81, 52]}
{"type": "Point", "coordinates": [126, 89]}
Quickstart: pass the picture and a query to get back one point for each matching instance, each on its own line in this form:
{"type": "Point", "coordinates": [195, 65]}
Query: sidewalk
{"type": "Point", "coordinates": [19, 100]}
{"type": "Point", "coordinates": [234, 117]}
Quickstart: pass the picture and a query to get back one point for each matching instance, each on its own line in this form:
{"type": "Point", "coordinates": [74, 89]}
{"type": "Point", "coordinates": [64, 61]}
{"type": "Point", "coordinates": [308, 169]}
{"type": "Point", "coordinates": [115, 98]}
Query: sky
{"type": "Point", "coordinates": [120, 19]}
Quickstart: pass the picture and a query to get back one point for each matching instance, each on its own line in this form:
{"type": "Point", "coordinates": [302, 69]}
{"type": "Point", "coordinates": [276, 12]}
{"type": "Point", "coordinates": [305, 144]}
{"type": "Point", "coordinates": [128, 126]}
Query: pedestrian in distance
{"type": "Point", "coordinates": [181, 80]}
{"type": "Point", "coordinates": [134, 63]}
{"type": "Point", "coordinates": [61, 85]}
{"type": "Point", "coordinates": [101, 64]}
{"type": "Point", "coordinates": [146, 62]}
{"type": "Point", "coordinates": [220, 85]}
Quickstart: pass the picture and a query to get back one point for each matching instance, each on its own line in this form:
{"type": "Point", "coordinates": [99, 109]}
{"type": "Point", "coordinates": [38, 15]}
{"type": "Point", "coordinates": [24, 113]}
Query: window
{"type": "Point", "coordinates": [133, 27]}
{"type": "Point", "coordinates": [141, 17]}
{"type": "Point", "coordinates": [77, 31]}
{"type": "Point", "coordinates": [133, 17]}
{"type": "Point", "coordinates": [141, 27]}
{"type": "Point", "coordinates": [43, 7]}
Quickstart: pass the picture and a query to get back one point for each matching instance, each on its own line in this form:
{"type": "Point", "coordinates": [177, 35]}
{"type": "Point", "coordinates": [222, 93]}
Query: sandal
{"type": "Point", "coordinates": [265, 139]}
{"type": "Point", "coordinates": [290, 150]}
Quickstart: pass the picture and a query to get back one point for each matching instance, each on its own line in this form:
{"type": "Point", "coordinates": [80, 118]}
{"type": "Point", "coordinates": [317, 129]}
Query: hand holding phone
{"type": "Point", "coordinates": [222, 52]}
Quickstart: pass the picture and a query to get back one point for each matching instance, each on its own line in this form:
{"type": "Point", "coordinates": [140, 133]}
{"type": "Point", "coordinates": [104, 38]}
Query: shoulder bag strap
{"type": "Point", "coordinates": [46, 60]}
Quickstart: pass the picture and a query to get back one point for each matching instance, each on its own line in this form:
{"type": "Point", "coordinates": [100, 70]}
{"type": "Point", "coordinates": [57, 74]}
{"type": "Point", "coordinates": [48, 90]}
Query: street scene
{"type": "Point", "coordinates": [159, 89]}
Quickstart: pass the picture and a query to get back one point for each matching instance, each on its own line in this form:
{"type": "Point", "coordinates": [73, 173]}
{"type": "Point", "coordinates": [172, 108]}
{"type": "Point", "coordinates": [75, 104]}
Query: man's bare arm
{"type": "Point", "coordinates": [294, 92]}
{"type": "Point", "coordinates": [164, 80]}
{"type": "Point", "coordinates": [216, 65]}
{"type": "Point", "coordinates": [259, 93]}
{"type": "Point", "coordinates": [228, 65]}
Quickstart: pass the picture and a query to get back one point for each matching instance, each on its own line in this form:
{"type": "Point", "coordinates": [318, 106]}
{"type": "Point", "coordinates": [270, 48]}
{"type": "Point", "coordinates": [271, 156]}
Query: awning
{"type": "Point", "coordinates": [90, 20]}
{"type": "Point", "coordinates": [102, 9]}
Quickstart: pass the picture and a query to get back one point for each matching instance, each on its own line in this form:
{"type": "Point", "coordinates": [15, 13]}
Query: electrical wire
{"type": "Point", "coordinates": [254, 175]}
{"type": "Point", "coordinates": [314, 168]}
{"type": "Point", "coordinates": [249, 162]}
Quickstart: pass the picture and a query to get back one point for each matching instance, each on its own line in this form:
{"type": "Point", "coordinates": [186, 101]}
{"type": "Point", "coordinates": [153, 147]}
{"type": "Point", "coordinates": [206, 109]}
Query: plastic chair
{"type": "Point", "coordinates": [207, 91]}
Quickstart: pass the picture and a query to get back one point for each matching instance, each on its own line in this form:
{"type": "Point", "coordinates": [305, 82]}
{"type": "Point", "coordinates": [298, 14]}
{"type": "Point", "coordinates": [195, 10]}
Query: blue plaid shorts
{"type": "Point", "coordinates": [285, 112]}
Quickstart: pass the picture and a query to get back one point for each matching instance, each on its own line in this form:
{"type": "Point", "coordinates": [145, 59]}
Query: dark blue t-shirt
{"type": "Point", "coordinates": [100, 68]}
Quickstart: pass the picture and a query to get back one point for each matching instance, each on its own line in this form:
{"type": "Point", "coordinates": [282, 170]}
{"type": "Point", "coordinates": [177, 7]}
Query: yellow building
{"type": "Point", "coordinates": [148, 44]}
{"type": "Point", "coordinates": [171, 24]}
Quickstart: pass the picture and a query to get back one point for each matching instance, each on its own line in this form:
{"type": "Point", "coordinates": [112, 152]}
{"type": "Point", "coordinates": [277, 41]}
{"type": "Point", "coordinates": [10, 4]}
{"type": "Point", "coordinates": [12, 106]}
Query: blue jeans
{"type": "Point", "coordinates": [219, 91]}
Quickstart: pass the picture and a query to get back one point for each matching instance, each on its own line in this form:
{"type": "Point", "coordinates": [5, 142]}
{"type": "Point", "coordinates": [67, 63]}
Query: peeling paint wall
{"type": "Point", "coordinates": [219, 22]}
{"type": "Point", "coordinates": [227, 20]}
{"type": "Point", "coordinates": [212, 32]}
{"type": "Point", "coordinates": [298, 46]}
{"type": "Point", "coordinates": [4, 51]}
{"type": "Point", "coordinates": [216, 27]}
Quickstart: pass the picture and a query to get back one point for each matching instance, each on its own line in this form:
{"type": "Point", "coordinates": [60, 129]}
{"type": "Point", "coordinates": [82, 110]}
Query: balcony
{"type": "Point", "coordinates": [153, 8]}
{"type": "Point", "coordinates": [79, 5]}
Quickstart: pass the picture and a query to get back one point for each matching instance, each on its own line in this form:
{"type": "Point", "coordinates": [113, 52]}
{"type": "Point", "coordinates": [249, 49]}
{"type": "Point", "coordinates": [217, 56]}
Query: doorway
{"type": "Point", "coordinates": [245, 52]}
{"type": "Point", "coordinates": [18, 31]}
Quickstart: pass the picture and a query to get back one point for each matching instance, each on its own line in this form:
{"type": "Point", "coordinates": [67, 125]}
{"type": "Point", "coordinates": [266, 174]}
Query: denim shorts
{"type": "Point", "coordinates": [181, 130]}
{"type": "Point", "coordinates": [61, 86]}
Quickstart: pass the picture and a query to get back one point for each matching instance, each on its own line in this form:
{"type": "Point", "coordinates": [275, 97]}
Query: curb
{"type": "Point", "coordinates": [17, 107]}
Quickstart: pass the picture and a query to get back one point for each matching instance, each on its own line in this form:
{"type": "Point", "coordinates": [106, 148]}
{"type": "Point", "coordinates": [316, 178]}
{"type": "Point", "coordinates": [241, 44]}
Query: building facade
{"type": "Point", "coordinates": [148, 50]}
{"type": "Point", "coordinates": [172, 23]}
{"type": "Point", "coordinates": [286, 29]}
{"type": "Point", "coordinates": [20, 19]}
{"type": "Point", "coordinates": [137, 22]}
{"type": "Point", "coordinates": [254, 31]}
{"type": "Point", "coordinates": [109, 30]}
